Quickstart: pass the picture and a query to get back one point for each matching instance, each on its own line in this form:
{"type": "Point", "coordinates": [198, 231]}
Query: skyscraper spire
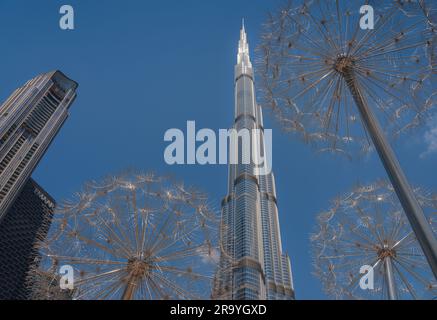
{"type": "Point", "coordinates": [243, 48]}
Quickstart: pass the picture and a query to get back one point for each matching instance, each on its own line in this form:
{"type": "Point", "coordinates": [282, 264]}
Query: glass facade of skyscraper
{"type": "Point", "coordinates": [26, 222]}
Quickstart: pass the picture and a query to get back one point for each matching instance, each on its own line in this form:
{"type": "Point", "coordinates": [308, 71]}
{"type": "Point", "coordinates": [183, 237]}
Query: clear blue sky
{"type": "Point", "coordinates": [144, 67]}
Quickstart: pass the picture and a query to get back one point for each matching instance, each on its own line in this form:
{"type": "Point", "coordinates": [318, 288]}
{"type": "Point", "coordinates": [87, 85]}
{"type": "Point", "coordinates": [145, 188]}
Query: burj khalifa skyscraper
{"type": "Point", "coordinates": [252, 264]}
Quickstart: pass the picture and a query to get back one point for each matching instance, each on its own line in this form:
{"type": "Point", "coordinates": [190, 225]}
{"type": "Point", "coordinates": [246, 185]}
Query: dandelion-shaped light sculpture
{"type": "Point", "coordinates": [326, 78]}
{"type": "Point", "coordinates": [132, 236]}
{"type": "Point", "coordinates": [368, 228]}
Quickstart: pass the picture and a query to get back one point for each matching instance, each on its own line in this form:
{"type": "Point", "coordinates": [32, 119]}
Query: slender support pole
{"type": "Point", "coordinates": [412, 209]}
{"type": "Point", "coordinates": [390, 280]}
{"type": "Point", "coordinates": [130, 289]}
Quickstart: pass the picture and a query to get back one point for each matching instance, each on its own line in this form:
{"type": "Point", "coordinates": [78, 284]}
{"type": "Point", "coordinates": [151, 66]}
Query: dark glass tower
{"type": "Point", "coordinates": [252, 264]}
{"type": "Point", "coordinates": [29, 120]}
{"type": "Point", "coordinates": [26, 222]}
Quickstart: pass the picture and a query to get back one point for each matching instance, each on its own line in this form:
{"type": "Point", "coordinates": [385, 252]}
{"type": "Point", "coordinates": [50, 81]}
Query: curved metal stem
{"type": "Point", "coordinates": [128, 293]}
{"type": "Point", "coordinates": [412, 209]}
{"type": "Point", "coordinates": [390, 279]}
